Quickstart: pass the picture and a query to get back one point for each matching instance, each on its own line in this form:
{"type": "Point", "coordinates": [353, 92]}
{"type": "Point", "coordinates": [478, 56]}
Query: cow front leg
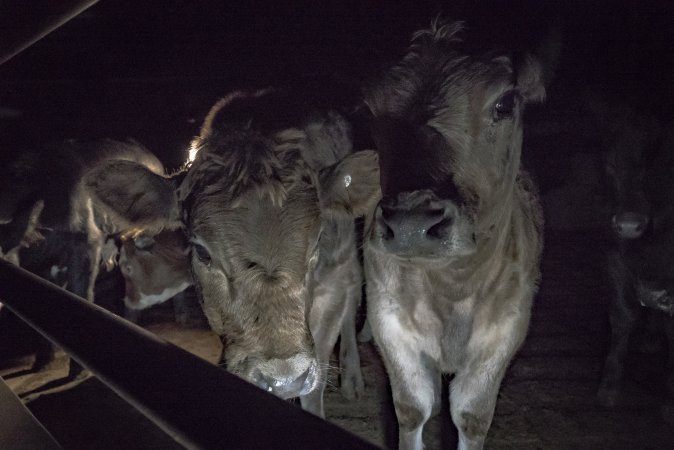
{"type": "Point", "coordinates": [472, 402]}
{"type": "Point", "coordinates": [415, 383]}
{"type": "Point", "coordinates": [624, 311]}
{"type": "Point", "coordinates": [325, 323]}
{"type": "Point", "coordinates": [351, 379]}
{"type": "Point", "coordinates": [416, 392]}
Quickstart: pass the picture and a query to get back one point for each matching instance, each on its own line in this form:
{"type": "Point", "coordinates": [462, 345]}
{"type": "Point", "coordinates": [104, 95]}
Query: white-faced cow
{"type": "Point", "coordinates": [452, 250]}
{"type": "Point", "coordinates": [639, 152]}
{"type": "Point", "coordinates": [254, 203]}
{"type": "Point", "coordinates": [48, 224]}
{"type": "Point", "coordinates": [155, 268]}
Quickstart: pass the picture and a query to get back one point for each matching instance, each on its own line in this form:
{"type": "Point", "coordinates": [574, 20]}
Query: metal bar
{"type": "Point", "coordinates": [18, 427]}
{"type": "Point", "coordinates": [197, 403]}
{"type": "Point", "coordinates": [29, 22]}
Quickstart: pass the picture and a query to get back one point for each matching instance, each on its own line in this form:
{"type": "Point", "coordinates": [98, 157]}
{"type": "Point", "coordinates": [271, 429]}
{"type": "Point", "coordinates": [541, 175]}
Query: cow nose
{"type": "Point", "coordinates": [288, 387]}
{"type": "Point", "coordinates": [630, 225]}
{"type": "Point", "coordinates": [414, 230]}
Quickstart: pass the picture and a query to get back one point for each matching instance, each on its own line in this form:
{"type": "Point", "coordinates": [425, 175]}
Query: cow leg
{"type": "Point", "coordinates": [80, 281]}
{"type": "Point", "coordinates": [45, 355]}
{"type": "Point", "coordinates": [95, 252]}
{"type": "Point", "coordinates": [472, 401]}
{"type": "Point", "coordinates": [351, 379]}
{"type": "Point", "coordinates": [325, 323]}
{"type": "Point", "coordinates": [181, 308]}
{"type": "Point", "coordinates": [624, 311]}
{"type": "Point", "coordinates": [415, 384]}
{"type": "Point", "coordinates": [416, 394]}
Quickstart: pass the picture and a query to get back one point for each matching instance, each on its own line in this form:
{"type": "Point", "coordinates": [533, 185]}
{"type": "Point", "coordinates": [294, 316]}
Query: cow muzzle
{"type": "Point", "coordinates": [418, 225]}
{"type": "Point", "coordinates": [287, 378]}
{"type": "Point", "coordinates": [629, 225]}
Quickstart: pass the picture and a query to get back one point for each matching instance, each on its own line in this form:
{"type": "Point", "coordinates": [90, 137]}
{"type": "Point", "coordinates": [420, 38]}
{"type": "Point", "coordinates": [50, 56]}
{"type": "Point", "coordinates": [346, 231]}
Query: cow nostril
{"type": "Point", "coordinates": [441, 229]}
{"type": "Point", "coordinates": [387, 233]}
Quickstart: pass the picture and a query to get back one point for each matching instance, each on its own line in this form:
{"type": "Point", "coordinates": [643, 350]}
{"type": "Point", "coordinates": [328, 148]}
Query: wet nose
{"type": "Point", "coordinates": [630, 225]}
{"type": "Point", "coordinates": [288, 387]}
{"type": "Point", "coordinates": [415, 230]}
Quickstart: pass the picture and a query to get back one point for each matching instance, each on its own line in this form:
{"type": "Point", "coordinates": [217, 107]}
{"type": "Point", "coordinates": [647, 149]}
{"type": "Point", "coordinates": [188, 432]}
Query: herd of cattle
{"type": "Point", "coordinates": [262, 223]}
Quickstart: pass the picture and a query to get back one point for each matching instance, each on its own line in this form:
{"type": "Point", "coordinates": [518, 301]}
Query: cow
{"type": "Point", "coordinates": [48, 224]}
{"type": "Point", "coordinates": [639, 162]}
{"type": "Point", "coordinates": [452, 249]}
{"type": "Point", "coordinates": [155, 268]}
{"type": "Point", "coordinates": [272, 174]}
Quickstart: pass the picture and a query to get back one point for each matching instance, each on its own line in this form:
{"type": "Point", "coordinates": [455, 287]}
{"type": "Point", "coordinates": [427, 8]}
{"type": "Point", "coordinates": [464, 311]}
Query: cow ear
{"type": "Point", "coordinates": [536, 71]}
{"type": "Point", "coordinates": [530, 80]}
{"type": "Point", "coordinates": [350, 187]}
{"type": "Point", "coordinates": [134, 195]}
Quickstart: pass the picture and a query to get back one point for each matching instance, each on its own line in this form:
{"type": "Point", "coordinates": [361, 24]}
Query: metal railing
{"type": "Point", "coordinates": [195, 402]}
{"type": "Point", "coordinates": [37, 20]}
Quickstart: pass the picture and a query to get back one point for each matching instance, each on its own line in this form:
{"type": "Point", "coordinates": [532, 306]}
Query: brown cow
{"type": "Point", "coordinates": [253, 204]}
{"type": "Point", "coordinates": [48, 224]}
{"type": "Point", "coordinates": [156, 268]}
{"type": "Point", "coordinates": [452, 250]}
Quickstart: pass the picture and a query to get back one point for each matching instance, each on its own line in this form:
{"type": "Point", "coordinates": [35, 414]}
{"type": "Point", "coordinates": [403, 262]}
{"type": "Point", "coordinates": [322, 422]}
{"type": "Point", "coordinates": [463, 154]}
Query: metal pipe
{"type": "Point", "coordinates": [30, 21]}
{"type": "Point", "coordinates": [197, 403]}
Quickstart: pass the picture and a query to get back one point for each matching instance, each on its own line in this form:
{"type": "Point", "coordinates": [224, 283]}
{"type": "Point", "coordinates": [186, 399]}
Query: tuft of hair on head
{"type": "Point", "coordinates": [441, 30]}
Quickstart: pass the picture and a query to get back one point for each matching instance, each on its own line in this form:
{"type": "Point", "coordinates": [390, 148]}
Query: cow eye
{"type": "Point", "coordinates": [505, 106]}
{"type": "Point", "coordinates": [143, 243]}
{"type": "Point", "coordinates": [202, 254]}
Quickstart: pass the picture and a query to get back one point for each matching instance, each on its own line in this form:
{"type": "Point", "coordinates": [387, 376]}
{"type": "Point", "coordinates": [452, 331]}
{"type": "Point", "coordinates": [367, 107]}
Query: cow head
{"type": "Point", "coordinates": [155, 268]}
{"type": "Point", "coordinates": [448, 128]}
{"type": "Point", "coordinates": [251, 206]}
{"type": "Point", "coordinates": [632, 143]}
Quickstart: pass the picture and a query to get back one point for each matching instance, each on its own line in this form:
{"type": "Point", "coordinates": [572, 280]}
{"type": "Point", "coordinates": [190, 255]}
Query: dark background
{"type": "Point", "coordinates": [151, 69]}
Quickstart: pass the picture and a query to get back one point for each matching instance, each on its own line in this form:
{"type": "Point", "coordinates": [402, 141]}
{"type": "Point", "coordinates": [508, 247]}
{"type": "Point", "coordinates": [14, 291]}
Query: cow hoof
{"type": "Point", "coordinates": [352, 385]}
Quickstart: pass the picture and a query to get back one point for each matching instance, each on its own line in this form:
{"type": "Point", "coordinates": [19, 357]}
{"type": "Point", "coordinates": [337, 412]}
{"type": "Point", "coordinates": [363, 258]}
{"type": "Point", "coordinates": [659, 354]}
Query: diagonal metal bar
{"type": "Point", "coordinates": [197, 403]}
{"type": "Point", "coordinates": [26, 22]}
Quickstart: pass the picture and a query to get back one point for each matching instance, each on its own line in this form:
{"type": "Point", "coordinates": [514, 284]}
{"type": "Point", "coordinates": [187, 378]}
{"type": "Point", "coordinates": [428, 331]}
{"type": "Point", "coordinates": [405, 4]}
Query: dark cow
{"type": "Point", "coordinates": [48, 223]}
{"type": "Point", "coordinates": [452, 250]}
{"type": "Point", "coordinates": [254, 203]}
{"type": "Point", "coordinates": [640, 167]}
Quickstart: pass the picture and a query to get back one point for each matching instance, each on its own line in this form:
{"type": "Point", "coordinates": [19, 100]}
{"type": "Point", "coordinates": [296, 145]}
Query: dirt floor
{"type": "Point", "coordinates": [547, 400]}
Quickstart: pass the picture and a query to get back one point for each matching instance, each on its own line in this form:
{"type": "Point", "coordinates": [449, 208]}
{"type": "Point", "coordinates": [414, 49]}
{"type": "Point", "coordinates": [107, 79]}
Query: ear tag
{"type": "Point", "coordinates": [347, 180]}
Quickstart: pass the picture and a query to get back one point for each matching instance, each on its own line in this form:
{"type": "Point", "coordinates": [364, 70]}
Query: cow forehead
{"type": "Point", "coordinates": [275, 238]}
{"type": "Point", "coordinates": [231, 162]}
{"type": "Point", "coordinates": [253, 213]}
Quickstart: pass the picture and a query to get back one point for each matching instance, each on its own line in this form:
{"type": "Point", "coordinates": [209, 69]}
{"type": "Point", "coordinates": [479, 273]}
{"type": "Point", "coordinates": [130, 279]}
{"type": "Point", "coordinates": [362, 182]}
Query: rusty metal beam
{"type": "Point", "coordinates": [195, 402]}
{"type": "Point", "coordinates": [24, 22]}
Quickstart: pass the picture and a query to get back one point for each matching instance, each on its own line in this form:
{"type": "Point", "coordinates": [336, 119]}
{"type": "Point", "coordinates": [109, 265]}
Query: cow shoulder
{"type": "Point", "coordinates": [134, 194]}
{"type": "Point", "coordinates": [350, 187]}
